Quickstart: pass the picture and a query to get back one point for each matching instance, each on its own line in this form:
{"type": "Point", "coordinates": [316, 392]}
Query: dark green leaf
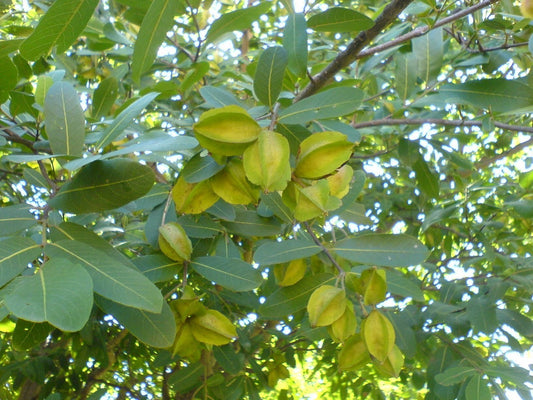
{"type": "Point", "coordinates": [231, 273]}
{"type": "Point", "coordinates": [60, 293]}
{"type": "Point", "coordinates": [157, 267]}
{"type": "Point", "coordinates": [331, 103]}
{"type": "Point", "coordinates": [202, 227]}
{"type": "Point", "coordinates": [289, 300]}
{"type": "Point", "coordinates": [29, 334]}
{"type": "Point", "coordinates": [275, 204]}
{"type": "Point", "coordinates": [236, 20]}
{"type": "Point", "coordinates": [15, 219]}
{"type": "Point", "coordinates": [8, 74]}
{"type": "Point", "coordinates": [9, 46]}
{"type": "Point", "coordinates": [248, 223]}
{"type": "Point", "coordinates": [61, 25]}
{"type": "Point", "coordinates": [427, 181]}
{"type": "Point", "coordinates": [154, 329]}
{"type": "Point", "coordinates": [428, 50]}
{"type": "Point", "coordinates": [382, 250]}
{"type": "Point", "coordinates": [477, 389]}
{"type": "Point", "coordinates": [156, 23]}
{"type": "Point", "coordinates": [199, 168]}
{"type": "Point", "coordinates": [104, 97]}
{"type": "Point", "coordinates": [274, 252]}
{"type": "Point", "coordinates": [15, 255]}
{"type": "Point", "coordinates": [217, 97]}
{"type": "Point", "coordinates": [228, 359]}
{"type": "Point", "coordinates": [295, 42]}
{"type": "Point", "coordinates": [104, 185]}
{"type": "Point", "coordinates": [268, 77]}
{"type": "Point", "coordinates": [111, 279]}
{"type": "Point", "coordinates": [454, 375]}
{"type": "Point", "coordinates": [517, 321]}
{"type": "Point", "coordinates": [65, 122]}
{"type": "Point", "coordinates": [124, 119]}
{"type": "Point", "coordinates": [186, 378]}
{"type": "Point", "coordinates": [338, 19]}
{"type": "Point", "coordinates": [482, 315]}
{"type": "Point", "coordinates": [35, 178]}
{"type": "Point", "coordinates": [405, 75]}
{"type": "Point", "coordinates": [403, 286]}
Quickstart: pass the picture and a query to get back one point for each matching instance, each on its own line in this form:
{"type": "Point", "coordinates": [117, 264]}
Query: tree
{"type": "Point", "coordinates": [203, 199]}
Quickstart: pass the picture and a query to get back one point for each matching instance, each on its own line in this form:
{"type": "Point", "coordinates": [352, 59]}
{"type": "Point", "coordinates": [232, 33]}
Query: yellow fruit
{"type": "Point", "coordinates": [393, 364]}
{"type": "Point", "coordinates": [526, 7]}
{"type": "Point", "coordinates": [291, 273]}
{"type": "Point", "coordinates": [374, 285]}
{"type": "Point", "coordinates": [232, 186]}
{"type": "Point", "coordinates": [339, 182]}
{"type": "Point", "coordinates": [266, 161]}
{"type": "Point", "coordinates": [353, 354]}
{"type": "Point", "coordinates": [185, 344]}
{"type": "Point", "coordinates": [226, 131]}
{"type": "Point", "coordinates": [345, 326]}
{"type": "Point", "coordinates": [310, 201]}
{"type": "Point", "coordinates": [212, 327]}
{"type": "Point", "coordinates": [174, 242]}
{"type": "Point", "coordinates": [193, 198]}
{"type": "Point", "coordinates": [378, 334]}
{"type": "Point", "coordinates": [321, 154]}
{"type": "Point", "coordinates": [326, 305]}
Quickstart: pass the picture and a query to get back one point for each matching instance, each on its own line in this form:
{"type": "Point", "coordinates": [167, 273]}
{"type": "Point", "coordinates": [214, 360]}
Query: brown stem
{"type": "Point", "coordinates": [324, 249]}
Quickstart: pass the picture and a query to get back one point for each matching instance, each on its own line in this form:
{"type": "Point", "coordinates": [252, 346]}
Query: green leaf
{"type": "Point", "coordinates": [437, 215]}
{"type": "Point", "coordinates": [515, 375]}
{"type": "Point", "coordinates": [274, 252]}
{"type": "Point", "coordinates": [8, 74]}
{"type": "Point", "coordinates": [9, 46]}
{"type": "Point", "coordinates": [231, 273]}
{"type": "Point", "coordinates": [15, 255]}
{"type": "Point", "coordinates": [482, 315]}
{"type": "Point", "coordinates": [111, 279]}
{"type": "Point", "coordinates": [124, 119]}
{"type": "Point", "coordinates": [196, 72]}
{"type": "Point", "coordinates": [154, 329]}
{"type": "Point", "coordinates": [498, 95]}
{"type": "Point", "coordinates": [477, 389]}
{"type": "Point", "coordinates": [186, 378]}
{"type": "Point", "coordinates": [60, 293]}
{"type": "Point", "coordinates": [268, 77]}
{"type": "Point", "coordinates": [428, 50]}
{"type": "Point", "coordinates": [156, 23]}
{"type": "Point", "coordinates": [15, 218]}
{"type": "Point", "coordinates": [217, 97]}
{"type": "Point", "coordinates": [400, 285]}
{"type": "Point", "coordinates": [289, 300]}
{"type": "Point", "coordinates": [44, 83]}
{"type": "Point", "coordinates": [157, 267]}
{"type": "Point", "coordinates": [275, 204]}
{"type": "Point", "coordinates": [199, 168]}
{"type": "Point", "coordinates": [382, 250]}
{"type": "Point", "coordinates": [104, 97]}
{"type": "Point", "coordinates": [104, 185]}
{"type": "Point", "coordinates": [238, 20]}
{"type": "Point", "coordinates": [517, 321]}
{"type": "Point", "coordinates": [202, 227]}
{"type": "Point", "coordinates": [405, 75]}
{"type": "Point", "coordinates": [29, 334]}
{"type": "Point", "coordinates": [230, 361]}
{"type": "Point", "coordinates": [248, 223]}
{"type": "Point", "coordinates": [355, 212]}
{"type": "Point", "coordinates": [35, 178]}
{"type": "Point", "coordinates": [454, 375]}
{"type": "Point", "coordinates": [65, 122]}
{"type": "Point", "coordinates": [331, 103]}
{"type": "Point", "coordinates": [426, 180]}
{"type": "Point", "coordinates": [338, 19]}
{"type": "Point", "coordinates": [295, 43]}
{"type": "Point", "coordinates": [61, 25]}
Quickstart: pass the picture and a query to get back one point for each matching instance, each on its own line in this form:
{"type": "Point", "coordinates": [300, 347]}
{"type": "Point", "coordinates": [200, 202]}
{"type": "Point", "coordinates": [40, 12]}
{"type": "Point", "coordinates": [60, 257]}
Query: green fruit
{"type": "Point", "coordinates": [321, 154]}
{"type": "Point", "coordinates": [326, 305]}
{"type": "Point", "coordinates": [379, 336]}
{"type": "Point", "coordinates": [266, 161]}
{"type": "Point", "coordinates": [526, 7]}
{"type": "Point", "coordinates": [226, 131]}
{"type": "Point", "coordinates": [212, 327]}
{"type": "Point", "coordinates": [353, 354]}
{"type": "Point", "coordinates": [345, 326]}
{"type": "Point", "coordinates": [339, 182]}
{"type": "Point", "coordinates": [193, 198]}
{"type": "Point", "coordinates": [174, 243]}
{"type": "Point", "coordinates": [374, 285]}
{"type": "Point", "coordinates": [232, 186]}
{"type": "Point", "coordinates": [291, 273]}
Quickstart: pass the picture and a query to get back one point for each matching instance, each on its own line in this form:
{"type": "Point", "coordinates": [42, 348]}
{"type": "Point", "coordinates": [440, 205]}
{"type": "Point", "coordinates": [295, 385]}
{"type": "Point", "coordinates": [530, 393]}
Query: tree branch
{"type": "Point", "coordinates": [346, 57]}
{"type": "Point", "coordinates": [513, 150]}
{"type": "Point", "coordinates": [446, 122]}
{"type": "Point", "coordinates": [355, 50]}
{"type": "Point", "coordinates": [422, 30]}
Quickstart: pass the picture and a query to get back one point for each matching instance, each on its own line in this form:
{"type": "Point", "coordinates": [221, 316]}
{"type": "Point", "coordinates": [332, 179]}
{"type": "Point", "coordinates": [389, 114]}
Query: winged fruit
{"type": "Point", "coordinates": [353, 354]}
{"type": "Point", "coordinates": [326, 305]}
{"type": "Point", "coordinates": [526, 7]}
{"type": "Point", "coordinates": [266, 161]}
{"type": "Point", "coordinates": [212, 327]}
{"type": "Point", "coordinates": [193, 198]}
{"type": "Point", "coordinates": [227, 130]}
{"type": "Point", "coordinates": [379, 336]}
{"type": "Point", "coordinates": [345, 326]}
{"type": "Point", "coordinates": [232, 186]}
{"type": "Point", "coordinates": [322, 153]}
{"type": "Point", "coordinates": [174, 242]}
{"type": "Point", "coordinates": [291, 273]}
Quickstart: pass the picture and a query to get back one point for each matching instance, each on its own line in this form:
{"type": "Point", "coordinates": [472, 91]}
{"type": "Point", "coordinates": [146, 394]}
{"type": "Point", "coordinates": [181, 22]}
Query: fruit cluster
{"type": "Point", "coordinates": [258, 159]}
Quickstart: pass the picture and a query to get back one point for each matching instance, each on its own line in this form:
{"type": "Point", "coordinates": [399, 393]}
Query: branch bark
{"type": "Point", "coordinates": [355, 49]}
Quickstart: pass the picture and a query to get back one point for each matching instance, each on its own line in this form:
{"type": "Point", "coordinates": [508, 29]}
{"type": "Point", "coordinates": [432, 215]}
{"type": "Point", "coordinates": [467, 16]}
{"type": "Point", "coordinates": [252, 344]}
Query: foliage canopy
{"type": "Point", "coordinates": [214, 199]}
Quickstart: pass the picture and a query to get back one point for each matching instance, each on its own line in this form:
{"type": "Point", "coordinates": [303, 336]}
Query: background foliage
{"type": "Point", "coordinates": [99, 99]}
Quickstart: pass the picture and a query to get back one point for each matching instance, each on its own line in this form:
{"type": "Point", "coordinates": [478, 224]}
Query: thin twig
{"type": "Point", "coordinates": [324, 249]}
